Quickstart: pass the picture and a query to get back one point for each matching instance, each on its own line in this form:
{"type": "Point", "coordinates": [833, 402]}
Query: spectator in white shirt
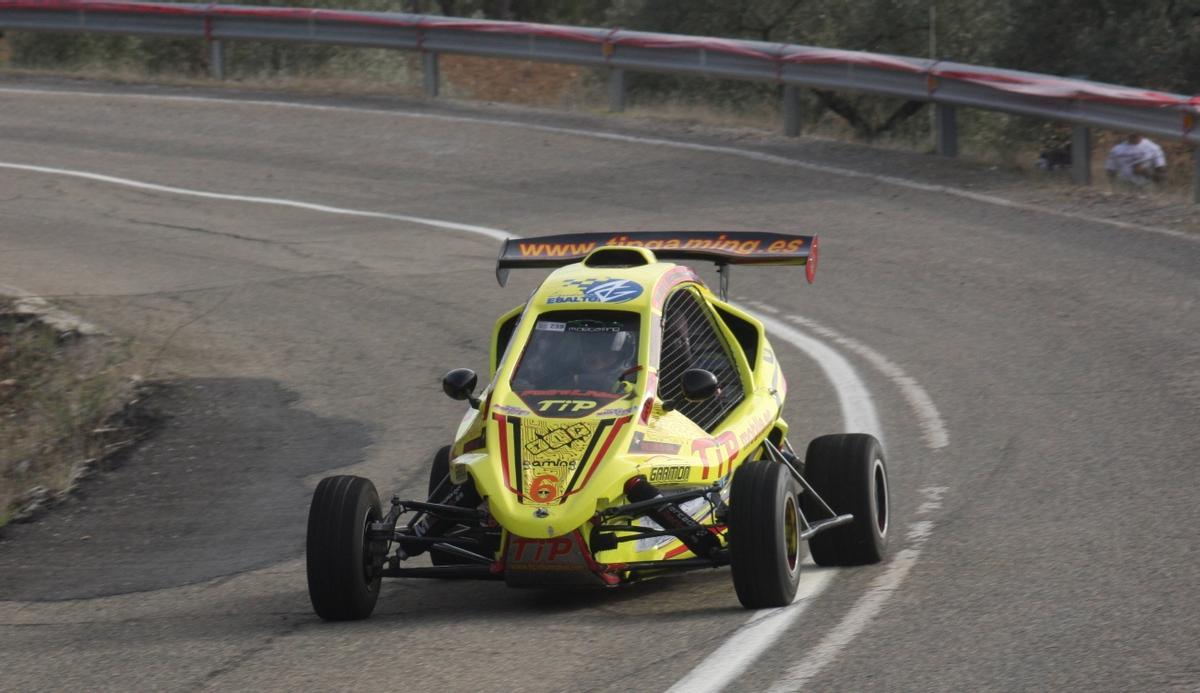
{"type": "Point", "coordinates": [1136, 160]}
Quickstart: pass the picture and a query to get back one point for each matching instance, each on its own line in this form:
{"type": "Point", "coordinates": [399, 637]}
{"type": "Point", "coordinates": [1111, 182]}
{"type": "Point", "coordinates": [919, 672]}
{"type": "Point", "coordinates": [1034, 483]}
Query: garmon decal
{"type": "Point", "coordinates": [597, 291]}
{"type": "Point", "coordinates": [670, 474]}
{"type": "Point", "coordinates": [565, 404]}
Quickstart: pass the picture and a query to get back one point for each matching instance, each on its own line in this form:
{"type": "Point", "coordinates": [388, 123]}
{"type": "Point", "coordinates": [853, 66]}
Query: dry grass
{"type": "Point", "coordinates": [992, 139]}
{"type": "Point", "coordinates": [984, 137]}
{"type": "Point", "coordinates": [758, 115]}
{"type": "Point", "coordinates": [58, 394]}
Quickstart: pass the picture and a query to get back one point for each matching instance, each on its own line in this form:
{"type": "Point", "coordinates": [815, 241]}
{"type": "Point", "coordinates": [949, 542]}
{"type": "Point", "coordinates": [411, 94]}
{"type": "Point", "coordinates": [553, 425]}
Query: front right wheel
{"type": "Point", "coordinates": [764, 534]}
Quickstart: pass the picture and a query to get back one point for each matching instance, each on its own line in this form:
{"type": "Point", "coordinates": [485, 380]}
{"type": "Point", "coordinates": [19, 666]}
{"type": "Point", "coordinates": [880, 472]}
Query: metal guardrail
{"type": "Point", "coordinates": [947, 85]}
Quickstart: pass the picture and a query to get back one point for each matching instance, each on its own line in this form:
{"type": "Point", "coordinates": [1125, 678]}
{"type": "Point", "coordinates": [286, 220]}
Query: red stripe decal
{"type": "Point", "coordinates": [502, 425]}
{"type": "Point", "coordinates": [682, 548]}
{"type": "Point", "coordinates": [600, 455]}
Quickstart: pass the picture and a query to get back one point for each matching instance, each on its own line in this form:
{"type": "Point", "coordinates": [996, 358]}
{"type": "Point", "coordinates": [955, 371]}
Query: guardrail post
{"type": "Point", "coordinates": [216, 59]}
{"type": "Point", "coordinates": [1081, 155]}
{"type": "Point", "coordinates": [616, 90]}
{"type": "Point", "coordinates": [947, 130]}
{"type": "Point", "coordinates": [791, 110]}
{"type": "Point", "coordinates": [429, 73]}
{"type": "Point", "coordinates": [1196, 175]}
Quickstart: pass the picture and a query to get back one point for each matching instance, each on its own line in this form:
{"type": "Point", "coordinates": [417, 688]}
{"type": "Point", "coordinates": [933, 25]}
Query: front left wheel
{"type": "Point", "coordinates": [343, 582]}
{"type": "Point", "coordinates": [764, 534]}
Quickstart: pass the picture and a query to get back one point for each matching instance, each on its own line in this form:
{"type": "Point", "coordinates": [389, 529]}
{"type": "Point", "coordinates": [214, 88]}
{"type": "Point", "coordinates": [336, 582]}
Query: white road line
{"type": "Point", "coordinates": [868, 606]}
{"type": "Point", "coordinates": [933, 428]}
{"type": "Point", "coordinates": [651, 141]}
{"type": "Point", "coordinates": [749, 642]}
{"type": "Point", "coordinates": [762, 630]}
{"type": "Point", "coordinates": [308, 206]}
{"type": "Point", "coordinates": [719, 668]}
{"type": "Point", "coordinates": [871, 603]}
{"type": "Point", "coordinates": [857, 619]}
{"type": "Point", "coordinates": [857, 407]}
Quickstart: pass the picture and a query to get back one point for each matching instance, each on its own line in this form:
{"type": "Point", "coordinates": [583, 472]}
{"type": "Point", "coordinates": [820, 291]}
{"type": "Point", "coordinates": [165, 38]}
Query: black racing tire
{"type": "Point", "coordinates": [848, 470]}
{"type": "Point", "coordinates": [439, 471]}
{"type": "Point", "coordinates": [341, 585]}
{"type": "Point", "coordinates": [764, 534]}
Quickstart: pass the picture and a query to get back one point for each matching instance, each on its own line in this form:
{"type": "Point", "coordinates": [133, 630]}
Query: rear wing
{"type": "Point", "coordinates": [724, 248]}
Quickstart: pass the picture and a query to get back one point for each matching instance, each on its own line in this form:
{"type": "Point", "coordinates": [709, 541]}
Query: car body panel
{"type": "Point", "coordinates": [546, 465]}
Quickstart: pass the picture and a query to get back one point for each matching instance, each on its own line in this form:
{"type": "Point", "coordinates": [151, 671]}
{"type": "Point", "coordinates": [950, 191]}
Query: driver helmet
{"type": "Point", "coordinates": [600, 347]}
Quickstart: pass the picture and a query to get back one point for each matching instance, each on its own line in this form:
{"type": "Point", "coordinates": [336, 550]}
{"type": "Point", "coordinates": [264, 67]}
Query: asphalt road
{"type": "Point", "coordinates": [1050, 545]}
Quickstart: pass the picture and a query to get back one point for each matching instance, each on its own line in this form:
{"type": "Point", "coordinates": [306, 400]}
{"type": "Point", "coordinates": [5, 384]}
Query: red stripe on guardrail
{"type": "Point", "coordinates": [1055, 88]}
{"type": "Point", "coordinates": [835, 56]}
{"type": "Point", "coordinates": [1042, 86]}
{"type": "Point", "coordinates": [145, 8]}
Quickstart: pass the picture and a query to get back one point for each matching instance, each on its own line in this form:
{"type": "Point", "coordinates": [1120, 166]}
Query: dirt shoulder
{"type": "Point", "coordinates": [68, 401]}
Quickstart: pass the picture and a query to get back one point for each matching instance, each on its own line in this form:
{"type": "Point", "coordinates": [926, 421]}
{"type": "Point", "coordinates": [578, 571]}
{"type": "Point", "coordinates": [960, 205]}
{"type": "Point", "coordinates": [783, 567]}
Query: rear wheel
{"type": "Point", "coordinates": [849, 472]}
{"type": "Point", "coordinates": [439, 471]}
{"type": "Point", "coordinates": [343, 583]}
{"type": "Point", "coordinates": [439, 480]}
{"type": "Point", "coordinates": [764, 534]}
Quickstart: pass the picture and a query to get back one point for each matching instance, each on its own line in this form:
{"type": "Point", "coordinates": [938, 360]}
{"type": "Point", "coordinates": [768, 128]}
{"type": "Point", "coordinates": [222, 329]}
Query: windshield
{"type": "Point", "coordinates": [589, 350]}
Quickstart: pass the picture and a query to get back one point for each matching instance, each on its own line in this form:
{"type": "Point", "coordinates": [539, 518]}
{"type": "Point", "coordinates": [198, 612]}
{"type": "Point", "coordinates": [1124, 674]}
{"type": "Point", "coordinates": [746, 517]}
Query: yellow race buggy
{"type": "Point", "coordinates": [632, 428]}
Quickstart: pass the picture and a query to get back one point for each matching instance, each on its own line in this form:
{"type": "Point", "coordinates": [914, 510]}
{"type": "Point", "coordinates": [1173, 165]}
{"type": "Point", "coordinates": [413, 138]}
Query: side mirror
{"type": "Point", "coordinates": [699, 385]}
{"type": "Point", "coordinates": [460, 384]}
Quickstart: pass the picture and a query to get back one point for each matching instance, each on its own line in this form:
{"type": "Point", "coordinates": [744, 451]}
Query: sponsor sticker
{"type": "Point", "coordinates": [670, 474]}
{"type": "Point", "coordinates": [640, 446]}
{"type": "Point", "coordinates": [613, 412]}
{"type": "Point", "coordinates": [543, 488]}
{"type": "Point", "coordinates": [547, 326]}
{"type": "Point", "coordinates": [698, 508]}
{"type": "Point", "coordinates": [565, 404]}
{"type": "Point", "coordinates": [597, 291]}
{"type": "Point", "coordinates": [557, 554]}
{"type": "Point", "coordinates": [556, 443]}
{"type": "Point", "coordinates": [550, 455]}
{"type": "Point", "coordinates": [511, 411]}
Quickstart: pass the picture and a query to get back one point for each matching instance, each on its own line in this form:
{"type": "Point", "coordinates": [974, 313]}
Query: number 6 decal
{"type": "Point", "coordinates": [543, 488]}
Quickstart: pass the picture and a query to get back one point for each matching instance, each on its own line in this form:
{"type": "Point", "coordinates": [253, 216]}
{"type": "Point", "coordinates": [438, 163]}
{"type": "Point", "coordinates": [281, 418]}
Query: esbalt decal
{"type": "Point", "coordinates": [599, 291]}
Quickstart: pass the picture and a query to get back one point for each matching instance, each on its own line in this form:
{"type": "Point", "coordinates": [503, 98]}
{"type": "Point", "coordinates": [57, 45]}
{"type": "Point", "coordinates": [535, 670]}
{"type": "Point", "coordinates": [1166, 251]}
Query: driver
{"type": "Point", "coordinates": [602, 352]}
